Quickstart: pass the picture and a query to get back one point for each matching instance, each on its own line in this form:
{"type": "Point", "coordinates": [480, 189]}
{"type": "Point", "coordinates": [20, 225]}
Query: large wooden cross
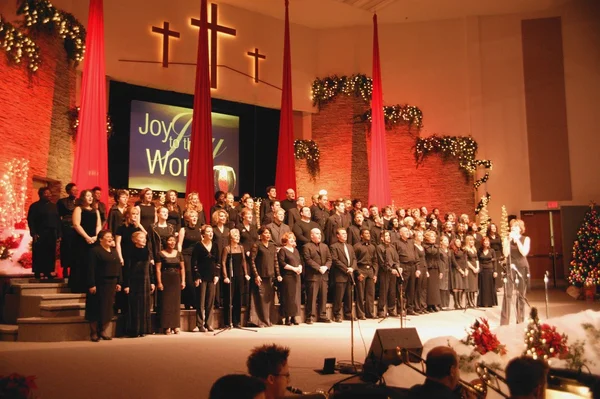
{"type": "Point", "coordinates": [215, 29]}
{"type": "Point", "coordinates": [256, 56]}
{"type": "Point", "coordinates": [166, 34]}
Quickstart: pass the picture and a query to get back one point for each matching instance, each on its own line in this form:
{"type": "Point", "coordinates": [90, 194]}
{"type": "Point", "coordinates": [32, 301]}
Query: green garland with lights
{"type": "Point", "coordinates": [18, 45]}
{"type": "Point", "coordinates": [42, 16]}
{"type": "Point", "coordinates": [74, 122]}
{"type": "Point", "coordinates": [462, 148]}
{"type": "Point", "coordinates": [393, 115]}
{"type": "Point", "coordinates": [309, 150]}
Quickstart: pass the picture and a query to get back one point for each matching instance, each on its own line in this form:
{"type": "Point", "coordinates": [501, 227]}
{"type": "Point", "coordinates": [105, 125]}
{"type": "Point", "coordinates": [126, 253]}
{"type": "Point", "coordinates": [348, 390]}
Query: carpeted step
{"type": "Point", "coordinates": [62, 310]}
{"type": "Point", "coordinates": [56, 329]}
{"type": "Point", "coordinates": [8, 332]}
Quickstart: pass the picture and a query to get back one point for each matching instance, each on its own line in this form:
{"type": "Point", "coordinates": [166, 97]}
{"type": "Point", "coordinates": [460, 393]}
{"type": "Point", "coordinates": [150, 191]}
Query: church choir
{"type": "Point", "coordinates": [384, 261]}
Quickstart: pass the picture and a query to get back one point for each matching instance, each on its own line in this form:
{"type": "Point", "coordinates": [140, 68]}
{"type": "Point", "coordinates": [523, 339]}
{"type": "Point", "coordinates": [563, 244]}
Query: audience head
{"type": "Point", "coordinates": [442, 366]}
{"type": "Point", "coordinates": [526, 377]}
{"type": "Point", "coordinates": [269, 363]}
{"type": "Point", "coordinates": [239, 386]}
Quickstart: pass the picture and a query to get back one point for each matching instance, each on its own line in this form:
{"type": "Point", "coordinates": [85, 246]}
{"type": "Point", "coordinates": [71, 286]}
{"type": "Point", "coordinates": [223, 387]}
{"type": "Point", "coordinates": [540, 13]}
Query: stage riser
{"type": "Point", "coordinates": [39, 289]}
{"type": "Point", "coordinates": [8, 333]}
{"type": "Point", "coordinates": [69, 311]}
{"type": "Point", "coordinates": [57, 331]}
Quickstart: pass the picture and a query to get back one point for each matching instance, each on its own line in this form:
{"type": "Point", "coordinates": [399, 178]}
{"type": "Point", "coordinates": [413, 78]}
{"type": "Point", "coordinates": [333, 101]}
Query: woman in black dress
{"type": "Point", "coordinates": [124, 243]}
{"type": "Point", "coordinates": [235, 277]}
{"type": "Point", "coordinates": [116, 215]}
{"type": "Point", "coordinates": [265, 271]}
{"type": "Point", "coordinates": [445, 263]}
{"type": "Point", "coordinates": [220, 239]}
{"type": "Point", "coordinates": [206, 276]}
{"type": "Point", "coordinates": [516, 248]}
{"type": "Point", "coordinates": [496, 245]}
{"type": "Point", "coordinates": [422, 274]}
{"type": "Point", "coordinates": [248, 236]}
{"type": "Point", "coordinates": [103, 280]}
{"type": "Point", "coordinates": [189, 237]}
{"type": "Point", "coordinates": [174, 210]}
{"type": "Point", "coordinates": [192, 203]}
{"type": "Point", "coordinates": [290, 266]}
{"type": "Point", "coordinates": [147, 209]}
{"type": "Point", "coordinates": [432, 258]}
{"type": "Point", "coordinates": [170, 280]}
{"type": "Point", "coordinates": [161, 230]}
{"type": "Point", "coordinates": [489, 266]}
{"type": "Point", "coordinates": [473, 265]}
{"type": "Point", "coordinates": [138, 285]}
{"type": "Point", "coordinates": [87, 225]}
{"type": "Point", "coordinates": [459, 273]}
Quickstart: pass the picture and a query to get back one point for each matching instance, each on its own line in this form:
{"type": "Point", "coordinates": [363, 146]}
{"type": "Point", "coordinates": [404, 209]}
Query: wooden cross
{"type": "Point", "coordinates": [215, 29]}
{"type": "Point", "coordinates": [256, 56]}
{"type": "Point", "coordinates": [166, 34]}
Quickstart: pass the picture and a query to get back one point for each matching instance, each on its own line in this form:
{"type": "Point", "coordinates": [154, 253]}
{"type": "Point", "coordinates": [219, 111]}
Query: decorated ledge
{"type": "Point", "coordinates": [19, 46]}
{"type": "Point", "coordinates": [309, 150]}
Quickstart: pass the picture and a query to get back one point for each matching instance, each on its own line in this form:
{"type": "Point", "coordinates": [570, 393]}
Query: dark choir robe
{"type": "Point", "coordinates": [65, 207]}
{"type": "Point", "coordinates": [367, 262]}
{"type": "Point", "coordinates": [115, 219]}
{"type": "Point", "coordinates": [264, 265]}
{"type": "Point", "coordinates": [104, 272]}
{"type": "Point", "coordinates": [277, 231]}
{"type": "Point", "coordinates": [302, 232]}
{"type": "Point", "coordinates": [333, 223]}
{"type": "Point", "coordinates": [315, 256]}
{"type": "Point", "coordinates": [45, 228]}
{"type": "Point", "coordinates": [248, 236]}
{"type": "Point", "coordinates": [395, 235]}
{"type": "Point", "coordinates": [292, 217]}
{"type": "Point", "coordinates": [320, 216]}
{"type": "Point", "coordinates": [287, 204]}
{"type": "Point", "coordinates": [432, 258]}
{"type": "Point", "coordinates": [343, 259]}
{"type": "Point", "coordinates": [138, 275]}
{"type": "Point", "coordinates": [354, 233]}
{"type": "Point", "coordinates": [347, 219]}
{"type": "Point", "coordinates": [388, 261]}
{"type": "Point", "coordinates": [205, 267]}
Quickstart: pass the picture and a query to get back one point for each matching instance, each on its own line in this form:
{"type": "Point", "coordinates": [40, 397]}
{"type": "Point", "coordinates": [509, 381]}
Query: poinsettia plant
{"type": "Point", "coordinates": [17, 386]}
{"type": "Point", "coordinates": [481, 337]}
{"type": "Point", "coordinates": [26, 260]}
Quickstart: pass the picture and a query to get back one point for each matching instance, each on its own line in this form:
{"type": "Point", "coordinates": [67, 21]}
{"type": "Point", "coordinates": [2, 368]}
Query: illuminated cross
{"type": "Point", "coordinates": [166, 34]}
{"type": "Point", "coordinates": [256, 56]}
{"type": "Point", "coordinates": [215, 28]}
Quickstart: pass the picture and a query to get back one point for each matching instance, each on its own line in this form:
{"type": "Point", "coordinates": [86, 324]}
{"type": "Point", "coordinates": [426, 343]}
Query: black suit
{"type": "Point", "coordinates": [266, 266]}
{"type": "Point", "coordinates": [333, 223]}
{"type": "Point", "coordinates": [388, 261]}
{"type": "Point", "coordinates": [320, 216]}
{"type": "Point", "coordinates": [205, 267]}
{"type": "Point", "coordinates": [315, 256]}
{"type": "Point", "coordinates": [367, 262]}
{"type": "Point", "coordinates": [342, 262]}
{"type": "Point", "coordinates": [354, 233]}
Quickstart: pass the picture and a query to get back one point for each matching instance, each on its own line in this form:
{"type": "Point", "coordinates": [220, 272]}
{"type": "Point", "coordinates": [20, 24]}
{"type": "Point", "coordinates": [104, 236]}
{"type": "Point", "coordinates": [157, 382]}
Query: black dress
{"type": "Point", "coordinates": [65, 207]}
{"type": "Point", "coordinates": [89, 220]}
{"type": "Point", "coordinates": [234, 261]}
{"type": "Point", "coordinates": [160, 235]}
{"type": "Point", "coordinates": [445, 262]}
{"type": "Point", "coordinates": [290, 286]}
{"type": "Point", "coordinates": [421, 286]}
{"type": "Point", "coordinates": [147, 216]}
{"type": "Point", "coordinates": [115, 219]}
{"type": "Point", "coordinates": [432, 257]}
{"type": "Point", "coordinates": [496, 245]}
{"type": "Point", "coordinates": [104, 273]}
{"type": "Point", "coordinates": [137, 276]}
{"type": "Point", "coordinates": [487, 286]}
{"type": "Point", "coordinates": [459, 262]}
{"type": "Point", "coordinates": [169, 299]}
{"type": "Point", "coordinates": [44, 222]}
{"type": "Point", "coordinates": [472, 278]}
{"type": "Point", "coordinates": [220, 240]}
{"type": "Point", "coordinates": [191, 238]}
{"type": "Point", "coordinates": [174, 218]}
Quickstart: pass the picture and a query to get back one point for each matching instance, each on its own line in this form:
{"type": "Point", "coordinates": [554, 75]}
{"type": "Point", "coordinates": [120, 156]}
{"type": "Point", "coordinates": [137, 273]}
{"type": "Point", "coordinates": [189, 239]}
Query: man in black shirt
{"type": "Point", "coordinates": [335, 222]}
{"type": "Point", "coordinates": [290, 200]}
{"type": "Point", "coordinates": [355, 228]}
{"type": "Point", "coordinates": [293, 214]}
{"type": "Point", "coordinates": [367, 262]}
{"type": "Point", "coordinates": [302, 229]}
{"type": "Point", "coordinates": [442, 374]}
{"type": "Point", "coordinates": [321, 212]}
{"type": "Point", "coordinates": [265, 205]}
{"type": "Point", "coordinates": [44, 226]}
{"type": "Point", "coordinates": [408, 259]}
{"type": "Point", "coordinates": [65, 207]}
{"type": "Point", "coordinates": [97, 193]}
{"type": "Point", "coordinates": [317, 260]}
{"type": "Point", "coordinates": [344, 264]}
{"type": "Point", "coordinates": [389, 271]}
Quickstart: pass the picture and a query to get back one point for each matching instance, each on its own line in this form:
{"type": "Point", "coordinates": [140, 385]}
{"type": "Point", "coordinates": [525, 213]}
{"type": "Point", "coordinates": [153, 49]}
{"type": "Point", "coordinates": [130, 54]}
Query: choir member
{"type": "Point", "coordinates": [423, 212]}
{"type": "Point", "coordinates": [248, 205]}
{"type": "Point", "coordinates": [124, 233]}
{"type": "Point", "coordinates": [450, 217]}
{"type": "Point", "coordinates": [415, 213]}
{"type": "Point", "coordinates": [335, 222]}
{"type": "Point", "coordinates": [235, 276]}
{"type": "Point", "coordinates": [387, 216]}
{"type": "Point", "coordinates": [205, 267]}
{"type": "Point", "coordinates": [355, 228]}
{"type": "Point", "coordinates": [314, 204]}
{"type": "Point", "coordinates": [348, 214]}
{"type": "Point", "coordinates": [268, 217]}
{"type": "Point", "coordinates": [248, 231]}
{"type": "Point", "coordinates": [293, 214]}
{"type": "Point", "coordinates": [317, 259]}
{"type": "Point", "coordinates": [356, 206]}
{"type": "Point", "coordinates": [242, 203]}
{"type": "Point", "coordinates": [278, 228]}
{"type": "Point", "coordinates": [401, 213]}
{"type": "Point", "coordinates": [408, 262]}
{"type": "Point", "coordinates": [220, 223]}
{"type": "Point", "coordinates": [434, 226]}
{"type": "Point", "coordinates": [87, 225]}
{"type": "Point", "coordinates": [117, 211]}
{"type": "Point", "coordinates": [265, 205]}
{"type": "Point", "coordinates": [474, 231]}
{"type": "Point", "coordinates": [65, 207]}
{"type": "Point", "coordinates": [192, 202]}
{"type": "Point", "coordinates": [473, 265]}
{"type": "Point", "coordinates": [488, 263]}
{"type": "Point", "coordinates": [422, 275]}
{"type": "Point", "coordinates": [409, 223]}
{"type": "Point", "coordinates": [219, 202]}
{"type": "Point", "coordinates": [189, 237]}
{"type": "Point", "coordinates": [265, 270]}
{"type": "Point", "coordinates": [445, 263]}
{"type": "Point", "coordinates": [461, 232]}
{"type": "Point", "coordinates": [302, 229]}
{"type": "Point", "coordinates": [161, 230]}
{"type": "Point", "coordinates": [101, 206]}
{"type": "Point", "coordinates": [147, 209]}
{"type": "Point", "coordinates": [432, 258]}
{"type": "Point", "coordinates": [389, 271]}
{"type": "Point", "coordinates": [290, 266]}
{"type": "Point", "coordinates": [376, 229]}
{"type": "Point", "coordinates": [496, 245]}
{"type": "Point", "coordinates": [170, 281]}
{"type": "Point", "coordinates": [343, 266]}
{"type": "Point", "coordinates": [44, 227]}
{"type": "Point", "coordinates": [232, 212]}
{"type": "Point", "coordinates": [421, 224]}
{"type": "Point", "coordinates": [448, 231]}
{"type": "Point", "coordinates": [174, 210]}
{"type": "Point", "coordinates": [138, 285]}
{"type": "Point", "coordinates": [395, 229]}
{"type": "Point", "coordinates": [290, 200]}
{"type": "Point", "coordinates": [366, 275]}
{"type": "Point", "coordinates": [368, 223]}
{"type": "Point", "coordinates": [464, 219]}
{"type": "Point", "coordinates": [103, 277]}
{"type": "Point", "coordinates": [320, 213]}
{"type": "Point", "coordinates": [516, 248]}
{"type": "Point", "coordinates": [459, 273]}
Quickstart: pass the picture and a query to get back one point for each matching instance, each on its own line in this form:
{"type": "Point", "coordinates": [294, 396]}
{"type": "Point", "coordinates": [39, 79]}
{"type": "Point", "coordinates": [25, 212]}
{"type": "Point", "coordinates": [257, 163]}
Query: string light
{"type": "Point", "coordinates": [398, 114]}
{"type": "Point", "coordinates": [17, 46]}
{"type": "Point", "coordinates": [542, 340]}
{"type": "Point", "coordinates": [74, 122]}
{"type": "Point", "coordinates": [13, 192]}
{"type": "Point", "coordinates": [309, 150]}
{"type": "Point", "coordinates": [584, 269]}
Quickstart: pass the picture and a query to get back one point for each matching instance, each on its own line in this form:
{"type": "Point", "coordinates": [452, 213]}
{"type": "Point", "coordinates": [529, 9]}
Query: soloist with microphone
{"type": "Point", "coordinates": [516, 248]}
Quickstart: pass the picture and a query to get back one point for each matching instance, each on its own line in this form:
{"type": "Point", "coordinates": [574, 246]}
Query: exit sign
{"type": "Point", "coordinates": [552, 204]}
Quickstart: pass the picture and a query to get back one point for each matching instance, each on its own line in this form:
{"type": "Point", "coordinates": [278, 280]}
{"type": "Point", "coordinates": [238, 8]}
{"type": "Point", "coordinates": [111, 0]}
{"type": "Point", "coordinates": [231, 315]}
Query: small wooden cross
{"type": "Point", "coordinates": [166, 34]}
{"type": "Point", "coordinates": [256, 56]}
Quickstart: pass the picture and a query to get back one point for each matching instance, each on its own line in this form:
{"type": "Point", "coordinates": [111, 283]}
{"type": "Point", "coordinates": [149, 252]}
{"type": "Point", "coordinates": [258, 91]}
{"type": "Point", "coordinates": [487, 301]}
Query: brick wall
{"type": "Point", "coordinates": [344, 147]}
{"type": "Point", "coordinates": [33, 113]}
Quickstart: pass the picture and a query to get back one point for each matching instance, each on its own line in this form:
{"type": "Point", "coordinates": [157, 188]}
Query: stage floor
{"type": "Point", "coordinates": [186, 365]}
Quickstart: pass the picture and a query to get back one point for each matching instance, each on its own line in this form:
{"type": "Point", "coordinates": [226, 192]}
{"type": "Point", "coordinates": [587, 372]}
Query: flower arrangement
{"type": "Point", "coordinates": [9, 244]}
{"type": "Point", "coordinates": [26, 260]}
{"type": "Point", "coordinates": [480, 336]}
{"type": "Point", "coordinates": [543, 341]}
{"type": "Point", "coordinates": [16, 386]}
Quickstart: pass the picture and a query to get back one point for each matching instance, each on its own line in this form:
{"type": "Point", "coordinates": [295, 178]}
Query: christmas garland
{"type": "Point", "coordinates": [463, 148]}
{"type": "Point", "coordinates": [18, 45]}
{"type": "Point", "coordinates": [41, 15]}
{"type": "Point", "coordinates": [397, 114]}
{"type": "Point", "coordinates": [543, 341]}
{"type": "Point", "coordinates": [309, 150]}
{"type": "Point", "coordinates": [74, 122]}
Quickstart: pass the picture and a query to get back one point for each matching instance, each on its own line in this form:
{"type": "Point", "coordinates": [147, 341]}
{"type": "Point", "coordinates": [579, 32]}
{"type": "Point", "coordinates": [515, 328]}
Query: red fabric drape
{"type": "Point", "coordinates": [285, 174]}
{"type": "Point", "coordinates": [379, 182]}
{"type": "Point", "coordinates": [200, 168]}
{"type": "Point", "coordinates": [90, 167]}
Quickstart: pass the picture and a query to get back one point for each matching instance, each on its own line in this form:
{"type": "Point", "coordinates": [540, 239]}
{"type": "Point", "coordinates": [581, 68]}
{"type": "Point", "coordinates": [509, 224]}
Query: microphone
{"type": "Point", "coordinates": [512, 266]}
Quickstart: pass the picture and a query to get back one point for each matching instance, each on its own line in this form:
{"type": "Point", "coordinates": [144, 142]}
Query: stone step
{"type": "Point", "coordinates": [8, 332]}
{"type": "Point", "coordinates": [46, 281]}
{"type": "Point", "coordinates": [38, 288]}
{"type": "Point", "coordinates": [56, 329]}
{"type": "Point", "coordinates": [61, 299]}
{"type": "Point", "coordinates": [62, 310]}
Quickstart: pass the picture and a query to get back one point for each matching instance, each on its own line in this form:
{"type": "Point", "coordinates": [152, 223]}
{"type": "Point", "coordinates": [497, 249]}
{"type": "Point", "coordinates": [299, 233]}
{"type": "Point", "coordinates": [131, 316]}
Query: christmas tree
{"type": "Point", "coordinates": [504, 229]}
{"type": "Point", "coordinates": [484, 220]}
{"type": "Point", "coordinates": [585, 266]}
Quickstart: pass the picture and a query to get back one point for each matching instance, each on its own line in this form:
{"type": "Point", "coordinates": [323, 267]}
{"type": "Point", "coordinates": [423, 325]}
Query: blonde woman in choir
{"type": "Point", "coordinates": [193, 203]}
{"type": "Point", "coordinates": [473, 265]}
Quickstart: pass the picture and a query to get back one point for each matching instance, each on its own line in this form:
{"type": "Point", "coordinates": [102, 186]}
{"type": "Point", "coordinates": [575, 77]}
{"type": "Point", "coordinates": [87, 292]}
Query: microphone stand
{"type": "Point", "coordinates": [400, 283]}
{"type": "Point", "coordinates": [546, 279]}
{"type": "Point", "coordinates": [352, 322]}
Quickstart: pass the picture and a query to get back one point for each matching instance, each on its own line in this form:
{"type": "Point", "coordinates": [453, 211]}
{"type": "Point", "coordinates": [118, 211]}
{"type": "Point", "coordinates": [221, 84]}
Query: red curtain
{"type": "Point", "coordinates": [285, 174]}
{"type": "Point", "coordinates": [200, 176]}
{"type": "Point", "coordinates": [90, 167]}
{"type": "Point", "coordinates": [379, 182]}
